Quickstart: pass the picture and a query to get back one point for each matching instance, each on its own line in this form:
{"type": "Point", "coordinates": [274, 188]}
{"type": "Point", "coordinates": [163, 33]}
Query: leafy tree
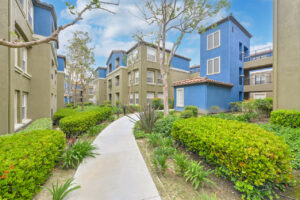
{"type": "Point", "coordinates": [91, 5]}
{"type": "Point", "coordinates": [175, 17]}
{"type": "Point", "coordinates": [81, 59]}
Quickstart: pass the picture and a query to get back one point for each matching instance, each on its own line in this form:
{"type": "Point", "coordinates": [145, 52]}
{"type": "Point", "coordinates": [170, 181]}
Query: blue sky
{"type": "Point", "coordinates": [110, 32]}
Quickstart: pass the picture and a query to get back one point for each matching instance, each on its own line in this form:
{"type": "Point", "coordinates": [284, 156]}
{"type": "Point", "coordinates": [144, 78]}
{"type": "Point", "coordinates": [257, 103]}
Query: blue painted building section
{"type": "Point", "coordinates": [234, 47]}
{"type": "Point", "coordinates": [61, 63]}
{"type": "Point", "coordinates": [180, 63]}
{"type": "Point", "coordinates": [111, 62]}
{"type": "Point", "coordinates": [101, 72]}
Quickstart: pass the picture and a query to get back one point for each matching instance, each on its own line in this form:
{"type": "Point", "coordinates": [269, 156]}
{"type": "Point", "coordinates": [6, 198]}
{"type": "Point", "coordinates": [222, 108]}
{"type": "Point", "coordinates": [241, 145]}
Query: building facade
{"type": "Point", "coordinates": [134, 77]}
{"type": "Point", "coordinates": [258, 73]}
{"type": "Point", "coordinates": [221, 80]}
{"type": "Point", "coordinates": [286, 51]}
{"type": "Point", "coordinates": [28, 76]}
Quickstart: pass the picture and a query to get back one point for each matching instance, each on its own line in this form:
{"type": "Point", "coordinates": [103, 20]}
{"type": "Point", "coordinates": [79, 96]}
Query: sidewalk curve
{"type": "Point", "coordinates": [119, 172]}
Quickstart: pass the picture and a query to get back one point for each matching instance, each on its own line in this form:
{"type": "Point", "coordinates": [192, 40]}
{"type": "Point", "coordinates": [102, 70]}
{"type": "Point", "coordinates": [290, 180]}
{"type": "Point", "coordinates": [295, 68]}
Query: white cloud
{"type": "Point", "coordinates": [261, 47]}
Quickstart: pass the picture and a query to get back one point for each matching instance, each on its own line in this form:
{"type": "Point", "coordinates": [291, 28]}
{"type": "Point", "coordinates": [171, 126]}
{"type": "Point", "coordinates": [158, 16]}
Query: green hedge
{"type": "Point", "coordinates": [61, 113]}
{"type": "Point", "coordinates": [255, 159]}
{"type": "Point", "coordinates": [39, 124]}
{"type": "Point", "coordinates": [286, 118]}
{"type": "Point", "coordinates": [27, 160]}
{"type": "Point", "coordinates": [194, 110]}
{"type": "Point", "coordinates": [81, 122]}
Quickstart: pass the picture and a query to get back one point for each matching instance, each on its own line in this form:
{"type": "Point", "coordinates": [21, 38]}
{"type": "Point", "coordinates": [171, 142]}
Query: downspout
{"type": "Point", "coordinates": [9, 70]}
{"type": "Point", "coordinates": [275, 53]}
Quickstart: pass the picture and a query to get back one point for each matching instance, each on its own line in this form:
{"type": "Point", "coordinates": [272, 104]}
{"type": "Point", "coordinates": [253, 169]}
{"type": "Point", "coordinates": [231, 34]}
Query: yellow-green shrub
{"type": "Point", "coordinates": [61, 113]}
{"type": "Point", "coordinates": [286, 118]}
{"type": "Point", "coordinates": [255, 159]}
{"type": "Point", "coordinates": [82, 121]}
{"type": "Point", "coordinates": [26, 161]}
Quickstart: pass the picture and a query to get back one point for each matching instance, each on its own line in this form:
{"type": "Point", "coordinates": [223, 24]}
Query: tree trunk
{"type": "Point", "coordinates": [166, 94]}
{"type": "Point", "coordinates": [83, 100]}
{"type": "Point", "coordinates": [75, 95]}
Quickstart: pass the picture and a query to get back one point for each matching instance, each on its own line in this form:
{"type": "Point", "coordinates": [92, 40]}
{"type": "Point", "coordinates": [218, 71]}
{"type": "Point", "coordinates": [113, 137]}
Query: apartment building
{"type": "Point", "coordinates": [134, 77]}
{"type": "Point", "coordinates": [61, 61]}
{"type": "Point", "coordinates": [222, 52]}
{"type": "Point", "coordinates": [28, 76]}
{"type": "Point", "coordinates": [258, 74]}
{"type": "Point", "coordinates": [286, 54]}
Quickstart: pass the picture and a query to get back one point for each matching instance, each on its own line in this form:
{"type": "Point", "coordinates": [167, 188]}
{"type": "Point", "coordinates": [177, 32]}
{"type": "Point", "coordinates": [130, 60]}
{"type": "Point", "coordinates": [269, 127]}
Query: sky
{"type": "Point", "coordinates": [114, 31]}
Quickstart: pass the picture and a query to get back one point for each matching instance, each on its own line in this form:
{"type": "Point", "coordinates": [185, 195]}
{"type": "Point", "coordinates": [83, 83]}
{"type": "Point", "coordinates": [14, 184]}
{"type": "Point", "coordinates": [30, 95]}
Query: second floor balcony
{"type": "Point", "coordinates": [260, 79]}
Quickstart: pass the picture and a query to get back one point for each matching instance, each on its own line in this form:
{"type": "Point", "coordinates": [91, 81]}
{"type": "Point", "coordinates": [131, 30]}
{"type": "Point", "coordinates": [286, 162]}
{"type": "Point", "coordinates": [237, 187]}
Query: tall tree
{"type": "Point", "coordinates": [173, 19]}
{"type": "Point", "coordinates": [81, 59]}
{"type": "Point", "coordinates": [91, 5]}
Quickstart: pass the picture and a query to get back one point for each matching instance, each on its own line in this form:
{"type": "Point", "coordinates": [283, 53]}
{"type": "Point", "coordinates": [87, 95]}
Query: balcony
{"type": "Point", "coordinates": [259, 83]}
{"type": "Point", "coordinates": [259, 59]}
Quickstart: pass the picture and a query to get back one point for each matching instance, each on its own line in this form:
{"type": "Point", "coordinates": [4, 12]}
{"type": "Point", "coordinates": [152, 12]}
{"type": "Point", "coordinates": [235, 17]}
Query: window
{"type": "Point", "coordinates": [213, 40]}
{"type": "Point", "coordinates": [213, 66]}
{"type": "Point", "coordinates": [136, 76]}
{"type": "Point", "coordinates": [136, 95]}
{"type": "Point", "coordinates": [24, 59]}
{"type": "Point", "coordinates": [30, 13]}
{"type": "Point", "coordinates": [150, 96]}
{"type": "Point", "coordinates": [260, 79]}
{"type": "Point", "coordinates": [131, 99]}
{"type": "Point", "coordinates": [117, 80]}
{"type": "Point", "coordinates": [117, 62]}
{"type": "Point", "coordinates": [22, 3]}
{"type": "Point", "coordinates": [151, 54]}
{"type": "Point", "coordinates": [150, 77]}
{"type": "Point", "coordinates": [262, 95]}
{"type": "Point", "coordinates": [16, 109]}
{"type": "Point", "coordinates": [109, 83]}
{"type": "Point", "coordinates": [117, 96]}
{"type": "Point", "coordinates": [24, 106]}
{"type": "Point", "coordinates": [159, 78]}
{"type": "Point", "coordinates": [129, 78]}
{"type": "Point", "coordinates": [135, 54]}
{"type": "Point", "coordinates": [109, 97]}
{"type": "Point", "coordinates": [180, 97]}
{"type": "Point", "coordinates": [160, 95]}
{"type": "Point", "coordinates": [91, 91]}
{"type": "Point", "coordinates": [109, 68]}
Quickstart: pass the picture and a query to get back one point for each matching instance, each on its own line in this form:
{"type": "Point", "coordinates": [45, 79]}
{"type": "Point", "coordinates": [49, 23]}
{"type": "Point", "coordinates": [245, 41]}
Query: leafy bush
{"type": "Point", "coordinates": [215, 109]}
{"type": "Point", "coordinates": [95, 130]}
{"type": "Point", "coordinates": [88, 103]}
{"type": "Point", "coordinates": [171, 103]}
{"type": "Point", "coordinates": [182, 163]}
{"type": "Point", "coordinates": [77, 124]}
{"type": "Point", "coordinates": [194, 110]}
{"type": "Point", "coordinates": [186, 114]}
{"type": "Point", "coordinates": [59, 192]}
{"type": "Point", "coordinates": [246, 117]}
{"type": "Point", "coordinates": [159, 160]}
{"type": "Point", "coordinates": [139, 134]}
{"type": "Point", "coordinates": [196, 175]}
{"type": "Point", "coordinates": [69, 105]}
{"type": "Point", "coordinates": [107, 103]}
{"type": "Point", "coordinates": [292, 137]}
{"type": "Point", "coordinates": [39, 124]}
{"type": "Point", "coordinates": [154, 139]}
{"type": "Point", "coordinates": [61, 113]}
{"type": "Point", "coordinates": [77, 152]}
{"type": "Point", "coordinates": [133, 108]}
{"type": "Point", "coordinates": [255, 159]}
{"type": "Point", "coordinates": [157, 104]}
{"type": "Point", "coordinates": [263, 106]}
{"type": "Point", "coordinates": [286, 118]}
{"type": "Point", "coordinates": [164, 126]}
{"type": "Point", "coordinates": [27, 160]}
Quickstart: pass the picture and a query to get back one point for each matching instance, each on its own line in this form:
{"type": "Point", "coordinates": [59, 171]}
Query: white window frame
{"type": "Point", "coordinates": [16, 107]}
{"type": "Point", "coordinates": [149, 99]}
{"type": "Point", "coordinates": [136, 98]}
{"type": "Point", "coordinates": [24, 106]}
{"type": "Point", "coordinates": [24, 59]}
{"type": "Point", "coordinates": [136, 77]}
{"type": "Point", "coordinates": [213, 40]}
{"type": "Point", "coordinates": [160, 95]}
{"type": "Point", "coordinates": [150, 75]}
{"type": "Point", "coordinates": [131, 99]}
{"type": "Point", "coordinates": [129, 79]}
{"type": "Point", "coordinates": [181, 102]}
{"type": "Point", "coordinates": [260, 93]}
{"type": "Point", "coordinates": [213, 65]}
{"type": "Point", "coordinates": [157, 78]}
{"type": "Point", "coordinates": [149, 50]}
{"type": "Point", "coordinates": [30, 13]}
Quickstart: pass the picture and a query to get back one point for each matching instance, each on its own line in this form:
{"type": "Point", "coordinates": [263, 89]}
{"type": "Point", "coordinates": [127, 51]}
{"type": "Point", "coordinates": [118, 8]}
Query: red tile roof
{"type": "Point", "coordinates": [200, 80]}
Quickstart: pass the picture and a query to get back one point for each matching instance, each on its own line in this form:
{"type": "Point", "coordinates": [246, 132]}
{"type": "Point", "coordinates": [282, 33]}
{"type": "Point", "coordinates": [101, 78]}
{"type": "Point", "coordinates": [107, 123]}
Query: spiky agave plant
{"type": "Point", "coordinates": [59, 192]}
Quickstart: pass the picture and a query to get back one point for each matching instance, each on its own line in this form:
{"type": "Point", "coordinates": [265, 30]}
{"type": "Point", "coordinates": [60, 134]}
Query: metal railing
{"type": "Point", "coordinates": [259, 80]}
{"type": "Point", "coordinates": [260, 54]}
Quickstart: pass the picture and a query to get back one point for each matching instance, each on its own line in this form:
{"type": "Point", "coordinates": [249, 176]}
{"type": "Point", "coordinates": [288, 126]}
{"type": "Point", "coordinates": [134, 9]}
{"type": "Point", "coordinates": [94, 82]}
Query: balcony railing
{"type": "Point", "coordinates": [259, 80]}
{"type": "Point", "coordinates": [260, 54]}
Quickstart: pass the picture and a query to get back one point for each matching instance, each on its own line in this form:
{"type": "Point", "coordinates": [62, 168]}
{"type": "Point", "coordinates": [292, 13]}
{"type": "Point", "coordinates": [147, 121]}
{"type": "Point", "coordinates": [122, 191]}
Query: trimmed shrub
{"type": "Point", "coordinates": [186, 114]}
{"type": "Point", "coordinates": [88, 103]}
{"type": "Point", "coordinates": [194, 109]}
{"type": "Point", "coordinates": [171, 103]}
{"type": "Point", "coordinates": [39, 124]}
{"type": "Point", "coordinates": [286, 118]}
{"type": "Point", "coordinates": [263, 106]}
{"type": "Point", "coordinates": [157, 104]}
{"type": "Point", "coordinates": [61, 113]}
{"type": "Point", "coordinates": [164, 126]}
{"type": "Point", "coordinates": [291, 136]}
{"type": "Point", "coordinates": [27, 160]}
{"type": "Point", "coordinates": [255, 159]}
{"type": "Point", "coordinates": [77, 124]}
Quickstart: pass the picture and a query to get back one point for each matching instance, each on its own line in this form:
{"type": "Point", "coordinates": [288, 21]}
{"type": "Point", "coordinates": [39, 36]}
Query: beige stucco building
{"type": "Point", "coordinates": [133, 77]}
{"type": "Point", "coordinates": [286, 54]}
{"type": "Point", "coordinates": [28, 76]}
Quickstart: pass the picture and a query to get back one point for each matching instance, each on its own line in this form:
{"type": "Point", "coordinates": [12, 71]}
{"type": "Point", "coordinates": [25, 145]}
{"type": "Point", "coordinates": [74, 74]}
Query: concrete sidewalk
{"type": "Point", "coordinates": [119, 172]}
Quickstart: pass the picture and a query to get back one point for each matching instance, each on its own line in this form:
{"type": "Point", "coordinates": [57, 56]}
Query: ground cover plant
{"type": "Point", "coordinates": [256, 160]}
{"type": "Point", "coordinates": [59, 192]}
{"type": "Point", "coordinates": [27, 160]}
{"type": "Point", "coordinates": [39, 124]}
{"type": "Point", "coordinates": [94, 130]}
{"type": "Point", "coordinates": [286, 118]}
